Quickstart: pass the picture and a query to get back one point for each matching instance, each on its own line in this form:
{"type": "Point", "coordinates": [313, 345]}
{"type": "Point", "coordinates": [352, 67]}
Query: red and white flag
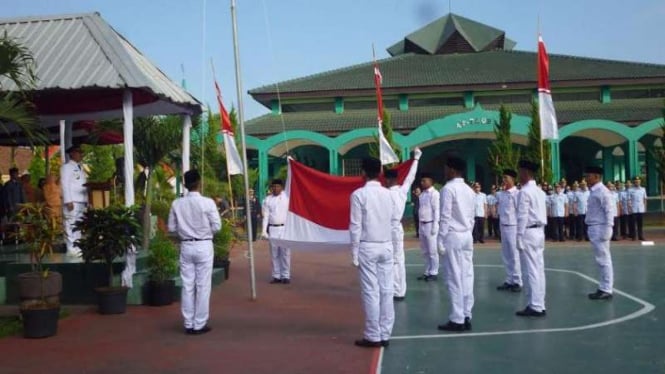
{"type": "Point", "coordinates": [233, 160]}
{"type": "Point", "coordinates": [318, 219]}
{"type": "Point", "coordinates": [386, 153]}
{"type": "Point", "coordinates": [549, 129]}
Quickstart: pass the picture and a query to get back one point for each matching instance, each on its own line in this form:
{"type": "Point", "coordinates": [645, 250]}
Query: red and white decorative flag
{"type": "Point", "coordinates": [549, 129]}
{"type": "Point", "coordinates": [318, 219]}
{"type": "Point", "coordinates": [386, 153]}
{"type": "Point", "coordinates": [233, 160]}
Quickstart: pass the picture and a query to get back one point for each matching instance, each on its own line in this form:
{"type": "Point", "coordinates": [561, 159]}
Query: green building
{"type": "Point", "coordinates": [443, 86]}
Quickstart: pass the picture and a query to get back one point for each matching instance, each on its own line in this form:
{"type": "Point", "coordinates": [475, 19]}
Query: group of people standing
{"type": "Point", "coordinates": [445, 227]}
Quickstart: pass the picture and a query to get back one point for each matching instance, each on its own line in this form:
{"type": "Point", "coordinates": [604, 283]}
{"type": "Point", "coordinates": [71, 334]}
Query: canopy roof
{"type": "Point", "coordinates": [83, 67]}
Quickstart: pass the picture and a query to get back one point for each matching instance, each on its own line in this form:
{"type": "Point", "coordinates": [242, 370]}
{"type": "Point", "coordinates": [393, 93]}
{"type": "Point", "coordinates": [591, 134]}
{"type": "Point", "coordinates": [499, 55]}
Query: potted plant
{"type": "Point", "coordinates": [39, 289]}
{"type": "Point", "coordinates": [107, 234]}
{"type": "Point", "coordinates": [222, 242]}
{"type": "Point", "coordinates": [162, 267]}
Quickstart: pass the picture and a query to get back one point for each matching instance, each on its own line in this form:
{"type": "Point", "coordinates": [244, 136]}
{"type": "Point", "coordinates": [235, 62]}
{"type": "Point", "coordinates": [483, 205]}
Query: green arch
{"type": "Point", "coordinates": [253, 142]}
{"type": "Point", "coordinates": [320, 139]}
{"type": "Point", "coordinates": [596, 124]}
{"type": "Point", "coordinates": [475, 121]}
{"type": "Point", "coordinates": [646, 127]}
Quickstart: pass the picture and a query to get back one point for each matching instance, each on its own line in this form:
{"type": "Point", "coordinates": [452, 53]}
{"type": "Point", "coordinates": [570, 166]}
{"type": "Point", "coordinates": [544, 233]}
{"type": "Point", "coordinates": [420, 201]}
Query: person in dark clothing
{"type": "Point", "coordinates": [254, 213]}
{"type": "Point", "coordinates": [416, 206]}
{"type": "Point", "coordinates": [12, 194]}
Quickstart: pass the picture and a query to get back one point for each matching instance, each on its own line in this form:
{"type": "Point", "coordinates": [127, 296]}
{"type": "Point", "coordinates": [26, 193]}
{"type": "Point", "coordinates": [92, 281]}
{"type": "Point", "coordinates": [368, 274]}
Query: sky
{"type": "Point", "coordinates": [286, 39]}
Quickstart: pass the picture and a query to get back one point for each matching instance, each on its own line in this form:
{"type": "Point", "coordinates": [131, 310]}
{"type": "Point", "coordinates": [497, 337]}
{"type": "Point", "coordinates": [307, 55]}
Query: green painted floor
{"type": "Point", "coordinates": [625, 335]}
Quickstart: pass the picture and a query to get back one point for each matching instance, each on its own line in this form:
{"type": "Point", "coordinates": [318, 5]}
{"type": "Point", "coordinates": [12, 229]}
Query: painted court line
{"type": "Point", "coordinates": [646, 308]}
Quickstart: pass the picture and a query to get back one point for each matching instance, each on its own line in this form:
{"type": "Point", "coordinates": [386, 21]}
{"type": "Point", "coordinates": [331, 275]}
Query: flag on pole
{"type": "Point", "coordinates": [233, 161]}
{"type": "Point", "coordinates": [549, 129]}
{"type": "Point", "coordinates": [386, 153]}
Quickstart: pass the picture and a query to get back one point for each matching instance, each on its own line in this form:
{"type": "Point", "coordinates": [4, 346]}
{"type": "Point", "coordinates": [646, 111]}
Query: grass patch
{"type": "Point", "coordinates": [12, 325]}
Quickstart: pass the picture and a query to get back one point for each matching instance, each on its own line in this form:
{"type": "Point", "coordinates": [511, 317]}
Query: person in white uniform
{"type": "Point", "coordinates": [507, 207]}
{"type": "Point", "coordinates": [400, 194]}
{"type": "Point", "coordinates": [615, 210]}
{"type": "Point", "coordinates": [74, 197]}
{"type": "Point", "coordinates": [456, 222]}
{"type": "Point", "coordinates": [637, 197]}
{"type": "Point", "coordinates": [428, 214]}
{"type": "Point", "coordinates": [275, 208]}
{"type": "Point", "coordinates": [531, 218]}
{"type": "Point", "coordinates": [374, 217]}
{"type": "Point", "coordinates": [600, 221]}
{"type": "Point", "coordinates": [195, 219]}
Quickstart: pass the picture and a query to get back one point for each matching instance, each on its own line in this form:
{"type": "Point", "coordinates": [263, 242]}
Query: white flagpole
{"type": "Point", "coordinates": [241, 124]}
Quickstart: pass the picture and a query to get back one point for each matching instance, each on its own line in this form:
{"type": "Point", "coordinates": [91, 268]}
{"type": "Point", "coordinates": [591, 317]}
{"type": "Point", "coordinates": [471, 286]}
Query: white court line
{"type": "Point", "coordinates": [646, 308]}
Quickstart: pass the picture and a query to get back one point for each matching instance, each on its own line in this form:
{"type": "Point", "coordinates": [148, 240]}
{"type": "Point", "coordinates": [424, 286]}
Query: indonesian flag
{"type": "Point", "coordinates": [320, 207]}
{"type": "Point", "coordinates": [233, 161]}
{"type": "Point", "coordinates": [386, 153]}
{"type": "Point", "coordinates": [549, 129]}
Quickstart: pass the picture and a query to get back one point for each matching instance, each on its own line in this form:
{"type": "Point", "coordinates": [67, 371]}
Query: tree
{"type": "Point", "coordinates": [17, 64]}
{"type": "Point", "coordinates": [503, 154]}
{"type": "Point", "coordinates": [533, 148]}
{"type": "Point", "coordinates": [388, 133]}
{"type": "Point", "coordinates": [101, 161]}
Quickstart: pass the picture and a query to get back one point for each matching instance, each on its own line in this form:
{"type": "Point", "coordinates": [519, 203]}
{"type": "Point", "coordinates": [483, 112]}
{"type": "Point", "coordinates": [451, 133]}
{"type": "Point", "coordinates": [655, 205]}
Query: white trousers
{"type": "Point", "coordinates": [376, 286]}
{"type": "Point", "coordinates": [533, 267]}
{"type": "Point", "coordinates": [599, 236]}
{"type": "Point", "coordinates": [458, 265]}
{"type": "Point", "coordinates": [70, 218]}
{"type": "Point", "coordinates": [510, 255]}
{"type": "Point", "coordinates": [196, 274]}
{"type": "Point", "coordinates": [280, 257]}
{"type": "Point", "coordinates": [428, 248]}
{"type": "Point", "coordinates": [399, 269]}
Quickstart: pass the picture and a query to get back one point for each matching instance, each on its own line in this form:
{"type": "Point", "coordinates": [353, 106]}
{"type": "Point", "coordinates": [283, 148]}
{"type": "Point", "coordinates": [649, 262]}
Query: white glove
{"type": "Point", "coordinates": [520, 244]}
{"type": "Point", "coordinates": [264, 236]}
{"type": "Point", "coordinates": [417, 153]}
{"type": "Point", "coordinates": [435, 229]}
{"type": "Point", "coordinates": [355, 262]}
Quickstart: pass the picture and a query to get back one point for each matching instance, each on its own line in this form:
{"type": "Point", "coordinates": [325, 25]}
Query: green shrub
{"type": "Point", "coordinates": [162, 259]}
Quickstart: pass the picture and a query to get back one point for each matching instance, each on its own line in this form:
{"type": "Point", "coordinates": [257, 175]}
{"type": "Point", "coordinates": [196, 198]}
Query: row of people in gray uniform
{"type": "Point", "coordinates": [447, 218]}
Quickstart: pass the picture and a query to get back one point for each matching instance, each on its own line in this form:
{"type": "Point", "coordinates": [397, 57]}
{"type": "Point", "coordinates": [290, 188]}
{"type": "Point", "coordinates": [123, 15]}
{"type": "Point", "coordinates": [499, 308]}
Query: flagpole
{"type": "Point", "coordinates": [241, 124]}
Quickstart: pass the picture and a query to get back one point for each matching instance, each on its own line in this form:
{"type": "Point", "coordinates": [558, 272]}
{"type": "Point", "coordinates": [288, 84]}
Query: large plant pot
{"type": "Point", "coordinates": [112, 300]}
{"type": "Point", "coordinates": [161, 293]}
{"type": "Point", "coordinates": [30, 287]}
{"type": "Point", "coordinates": [40, 322]}
{"type": "Point", "coordinates": [222, 263]}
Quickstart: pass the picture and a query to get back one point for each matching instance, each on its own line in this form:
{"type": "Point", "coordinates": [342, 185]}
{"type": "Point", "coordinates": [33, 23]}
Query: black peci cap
{"type": "Point", "coordinates": [528, 165]}
{"type": "Point", "coordinates": [390, 173]}
{"type": "Point", "coordinates": [456, 163]}
{"type": "Point", "coordinates": [593, 170]}
{"type": "Point", "coordinates": [510, 173]}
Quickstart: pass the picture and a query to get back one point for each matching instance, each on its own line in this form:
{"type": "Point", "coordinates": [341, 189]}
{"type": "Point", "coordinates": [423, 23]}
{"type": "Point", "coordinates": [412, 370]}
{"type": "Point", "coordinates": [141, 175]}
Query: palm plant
{"type": "Point", "coordinates": [17, 67]}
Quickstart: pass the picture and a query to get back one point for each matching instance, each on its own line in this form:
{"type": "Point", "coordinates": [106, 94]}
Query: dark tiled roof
{"type": "Point", "coordinates": [491, 70]}
{"type": "Point", "coordinates": [630, 111]}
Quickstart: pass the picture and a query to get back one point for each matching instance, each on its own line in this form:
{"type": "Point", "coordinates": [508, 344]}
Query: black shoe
{"type": "Point", "coordinates": [286, 281]}
{"type": "Point", "coordinates": [642, 238]}
{"type": "Point", "coordinates": [505, 287]}
{"type": "Point", "coordinates": [202, 330]}
{"type": "Point", "coordinates": [467, 324]}
{"type": "Point", "coordinates": [516, 288]}
{"type": "Point", "coordinates": [528, 312]}
{"type": "Point", "coordinates": [367, 343]}
{"type": "Point", "coordinates": [452, 326]}
{"type": "Point", "coordinates": [600, 295]}
{"type": "Point", "coordinates": [423, 277]}
{"type": "Point", "coordinates": [398, 298]}
{"type": "Point", "coordinates": [189, 331]}
{"type": "Point", "coordinates": [275, 281]}
{"type": "Point", "coordinates": [432, 277]}
{"type": "Point", "coordinates": [385, 343]}
{"type": "Point", "coordinates": [481, 241]}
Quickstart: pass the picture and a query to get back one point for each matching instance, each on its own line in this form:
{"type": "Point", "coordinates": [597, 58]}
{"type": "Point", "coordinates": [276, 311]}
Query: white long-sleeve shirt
{"type": "Point", "coordinates": [194, 217]}
{"type": "Point", "coordinates": [507, 203]}
{"type": "Point", "coordinates": [72, 180]}
{"type": "Point", "coordinates": [458, 207]}
{"type": "Point", "coordinates": [531, 208]}
{"type": "Point", "coordinates": [275, 209]}
{"type": "Point", "coordinates": [401, 192]}
{"type": "Point", "coordinates": [374, 215]}
{"type": "Point", "coordinates": [600, 205]}
{"type": "Point", "coordinates": [429, 205]}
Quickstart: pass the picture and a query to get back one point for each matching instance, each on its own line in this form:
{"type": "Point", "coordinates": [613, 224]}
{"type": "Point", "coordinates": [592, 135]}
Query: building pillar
{"type": "Point", "coordinates": [471, 167]}
{"type": "Point", "coordinates": [608, 164]}
{"type": "Point", "coordinates": [406, 154]}
{"type": "Point", "coordinates": [653, 179]}
{"type": "Point", "coordinates": [263, 174]}
{"type": "Point", "coordinates": [633, 160]}
{"type": "Point", "coordinates": [555, 160]}
{"type": "Point", "coordinates": [333, 163]}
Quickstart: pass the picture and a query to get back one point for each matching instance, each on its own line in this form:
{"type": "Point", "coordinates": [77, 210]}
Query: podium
{"type": "Point", "coordinates": [99, 194]}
